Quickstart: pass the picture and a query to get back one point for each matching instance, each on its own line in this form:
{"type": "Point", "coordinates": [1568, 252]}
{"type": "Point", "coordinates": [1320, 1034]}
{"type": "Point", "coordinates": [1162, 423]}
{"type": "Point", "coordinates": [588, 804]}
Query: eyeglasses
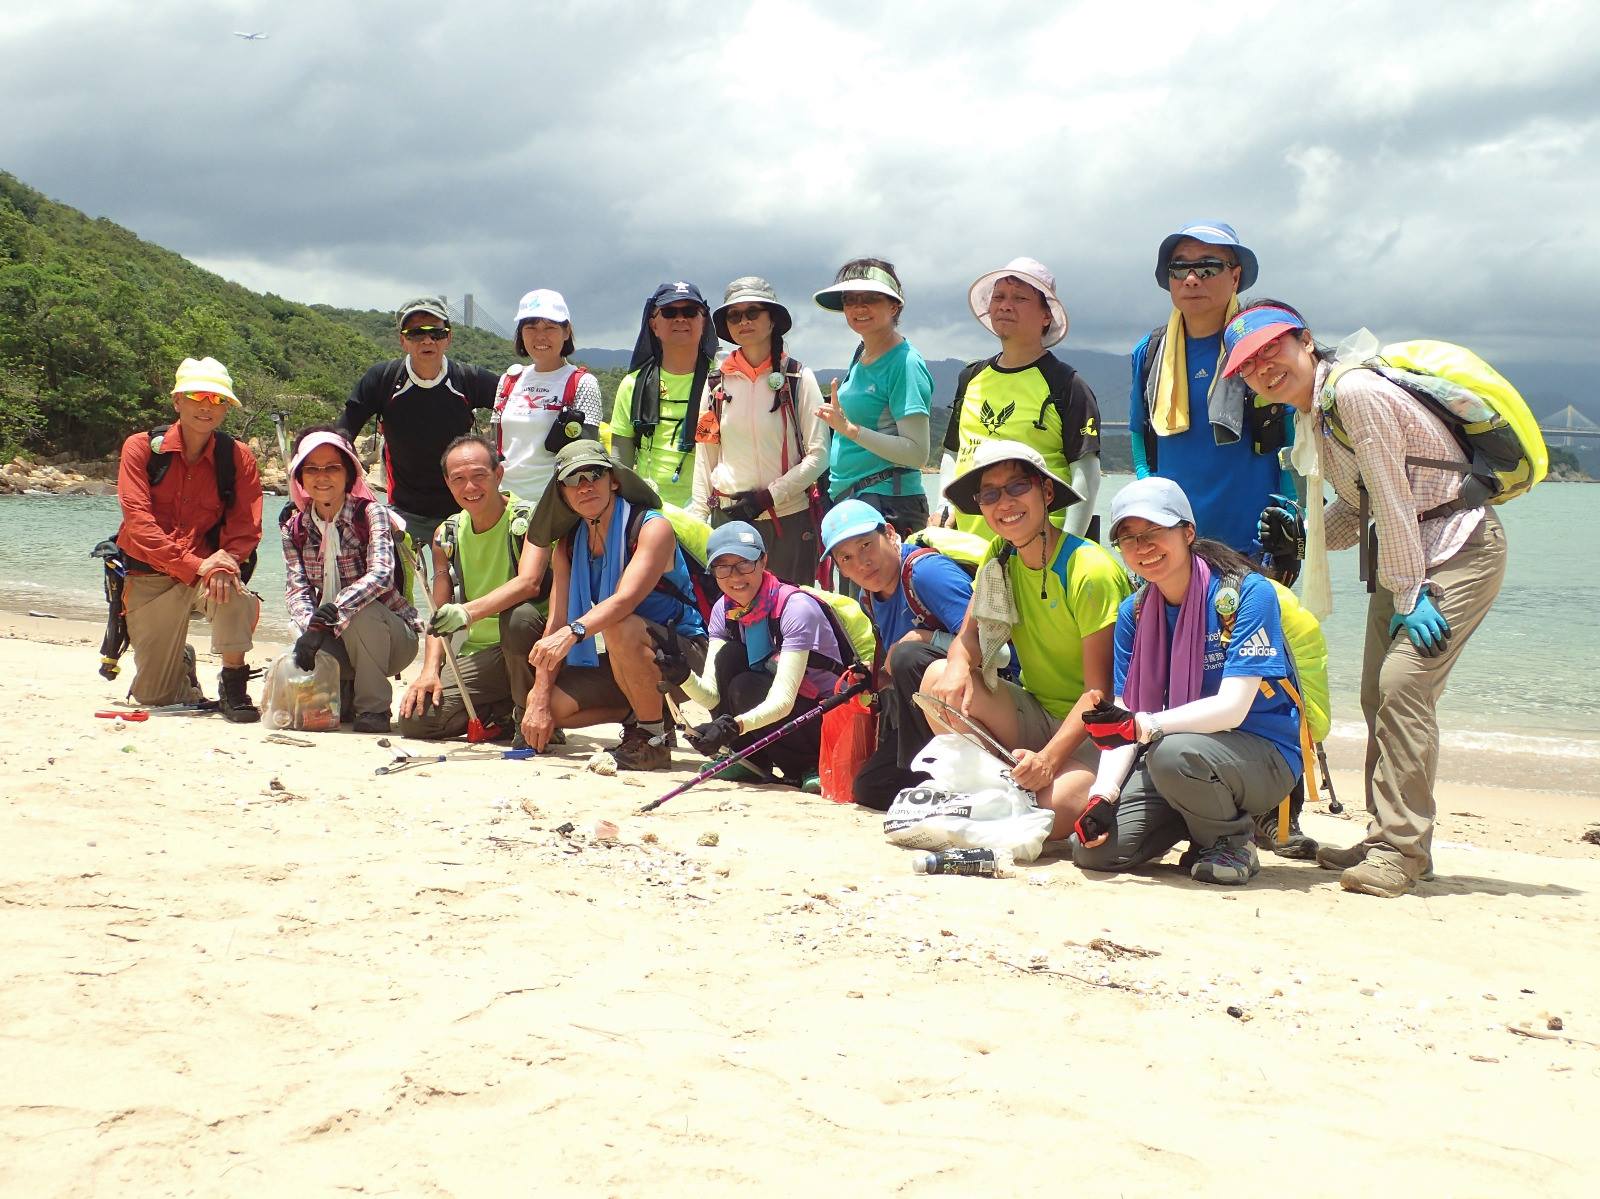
{"type": "Point", "coordinates": [206, 397]}
{"type": "Point", "coordinates": [1015, 489]}
{"type": "Point", "coordinates": [581, 478]}
{"type": "Point", "coordinates": [738, 316]}
{"type": "Point", "coordinates": [1265, 354]}
{"type": "Point", "coordinates": [1203, 268]}
{"type": "Point", "coordinates": [430, 332]}
{"type": "Point", "coordinates": [740, 567]}
{"type": "Point", "coordinates": [1129, 542]}
{"type": "Point", "coordinates": [332, 468]}
{"type": "Point", "coordinates": [679, 312]}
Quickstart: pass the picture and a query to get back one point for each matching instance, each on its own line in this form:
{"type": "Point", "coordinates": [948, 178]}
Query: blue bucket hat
{"type": "Point", "coordinates": [852, 518]}
{"type": "Point", "coordinates": [738, 538]}
{"type": "Point", "coordinates": [1213, 233]}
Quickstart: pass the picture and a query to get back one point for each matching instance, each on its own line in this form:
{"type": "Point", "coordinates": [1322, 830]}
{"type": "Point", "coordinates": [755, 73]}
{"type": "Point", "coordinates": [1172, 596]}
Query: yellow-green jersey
{"type": "Point", "coordinates": [669, 470]}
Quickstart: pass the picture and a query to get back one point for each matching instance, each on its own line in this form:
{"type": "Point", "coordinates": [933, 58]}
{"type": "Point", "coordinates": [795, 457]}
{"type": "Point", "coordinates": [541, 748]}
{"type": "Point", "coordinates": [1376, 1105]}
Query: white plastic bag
{"type": "Point", "coordinates": [303, 700]}
{"type": "Point", "coordinates": [971, 803]}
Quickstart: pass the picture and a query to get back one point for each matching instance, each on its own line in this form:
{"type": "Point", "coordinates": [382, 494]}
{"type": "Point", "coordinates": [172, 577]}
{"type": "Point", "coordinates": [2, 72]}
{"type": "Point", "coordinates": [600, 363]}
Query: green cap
{"type": "Point", "coordinates": [577, 455]}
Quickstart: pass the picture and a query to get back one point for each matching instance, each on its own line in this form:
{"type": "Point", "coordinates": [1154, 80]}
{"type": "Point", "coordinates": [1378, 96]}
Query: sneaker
{"type": "Point", "coordinates": [1299, 846]}
{"type": "Point", "coordinates": [811, 785]}
{"type": "Point", "coordinates": [636, 752]}
{"type": "Point", "coordinates": [1330, 858]}
{"type": "Point", "coordinates": [740, 773]}
{"type": "Point", "coordinates": [371, 722]}
{"type": "Point", "coordinates": [1378, 874]}
{"type": "Point", "coordinates": [1226, 864]}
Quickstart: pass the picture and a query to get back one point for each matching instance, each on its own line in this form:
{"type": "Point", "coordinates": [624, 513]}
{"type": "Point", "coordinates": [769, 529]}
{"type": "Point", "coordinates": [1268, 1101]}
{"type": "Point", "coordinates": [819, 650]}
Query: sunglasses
{"type": "Point", "coordinates": [580, 478]}
{"type": "Point", "coordinates": [1203, 268]}
{"type": "Point", "coordinates": [430, 332]}
{"type": "Point", "coordinates": [679, 312]}
{"type": "Point", "coordinates": [1015, 489]}
{"type": "Point", "coordinates": [738, 316]}
{"type": "Point", "coordinates": [729, 569]}
{"type": "Point", "coordinates": [207, 397]}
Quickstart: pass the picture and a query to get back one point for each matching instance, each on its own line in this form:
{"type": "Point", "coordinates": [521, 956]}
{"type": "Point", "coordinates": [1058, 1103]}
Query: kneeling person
{"type": "Point", "coordinates": [486, 577]}
{"type": "Point", "coordinates": [617, 575]}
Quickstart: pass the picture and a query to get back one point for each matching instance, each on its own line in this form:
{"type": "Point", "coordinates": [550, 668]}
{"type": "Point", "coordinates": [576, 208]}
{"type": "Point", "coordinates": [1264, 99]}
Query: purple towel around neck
{"type": "Point", "coordinates": [1162, 676]}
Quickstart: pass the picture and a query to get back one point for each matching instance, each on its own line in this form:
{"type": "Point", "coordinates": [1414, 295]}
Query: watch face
{"type": "Point", "coordinates": [578, 630]}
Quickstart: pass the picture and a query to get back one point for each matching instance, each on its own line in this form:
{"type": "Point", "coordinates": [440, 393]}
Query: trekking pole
{"type": "Point", "coordinates": [1334, 805]}
{"type": "Point", "coordinates": [476, 730]}
{"type": "Point", "coordinates": [721, 764]}
{"type": "Point", "coordinates": [280, 422]}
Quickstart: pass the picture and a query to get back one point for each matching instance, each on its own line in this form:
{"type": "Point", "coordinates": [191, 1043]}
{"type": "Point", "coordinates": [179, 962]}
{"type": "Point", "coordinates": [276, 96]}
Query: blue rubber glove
{"type": "Point", "coordinates": [1425, 625]}
{"type": "Point", "coordinates": [448, 619]}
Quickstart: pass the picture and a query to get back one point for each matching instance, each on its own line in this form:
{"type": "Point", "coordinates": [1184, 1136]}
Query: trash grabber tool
{"type": "Point", "coordinates": [477, 731]}
{"type": "Point", "coordinates": [721, 764]}
{"type": "Point", "coordinates": [280, 422]}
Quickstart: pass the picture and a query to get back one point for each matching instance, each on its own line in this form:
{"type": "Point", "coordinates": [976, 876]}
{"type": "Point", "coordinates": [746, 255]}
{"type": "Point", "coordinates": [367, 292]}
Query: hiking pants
{"type": "Point", "coordinates": [1203, 787]}
{"type": "Point", "coordinates": [1400, 692]}
{"type": "Point", "coordinates": [498, 679]}
{"type": "Point", "coordinates": [158, 608]}
{"type": "Point", "coordinates": [903, 730]}
{"type": "Point", "coordinates": [374, 646]}
{"type": "Point", "coordinates": [791, 543]}
{"type": "Point", "coordinates": [738, 690]}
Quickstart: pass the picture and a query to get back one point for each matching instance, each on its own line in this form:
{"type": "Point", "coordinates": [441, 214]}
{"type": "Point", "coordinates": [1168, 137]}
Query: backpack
{"type": "Point", "coordinates": [691, 536]}
{"type": "Point", "coordinates": [1058, 377]}
{"type": "Point", "coordinates": [569, 397]}
{"type": "Point", "coordinates": [1487, 417]}
{"type": "Point", "coordinates": [292, 522]}
{"type": "Point", "coordinates": [966, 550]}
{"type": "Point", "coordinates": [852, 629]}
{"type": "Point", "coordinates": [449, 532]}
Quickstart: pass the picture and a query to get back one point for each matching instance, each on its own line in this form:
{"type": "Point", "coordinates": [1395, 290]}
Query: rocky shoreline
{"type": "Point", "coordinates": [66, 474]}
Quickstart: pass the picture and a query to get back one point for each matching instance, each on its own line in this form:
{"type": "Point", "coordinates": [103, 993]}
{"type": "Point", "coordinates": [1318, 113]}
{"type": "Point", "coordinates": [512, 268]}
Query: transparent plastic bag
{"type": "Point", "coordinates": [970, 803]}
{"type": "Point", "coordinates": [302, 700]}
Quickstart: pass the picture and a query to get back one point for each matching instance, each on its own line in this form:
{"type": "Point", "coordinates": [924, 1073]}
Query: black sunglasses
{"type": "Point", "coordinates": [679, 312]}
{"type": "Point", "coordinates": [1015, 489]}
{"type": "Point", "coordinates": [1203, 268]}
{"type": "Point", "coordinates": [430, 332]}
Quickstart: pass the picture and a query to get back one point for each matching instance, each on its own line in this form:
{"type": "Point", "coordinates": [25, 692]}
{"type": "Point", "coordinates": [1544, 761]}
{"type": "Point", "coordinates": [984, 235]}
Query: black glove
{"type": "Point", "coordinates": [1110, 726]}
{"type": "Point", "coordinates": [715, 735]}
{"type": "Point", "coordinates": [749, 505]}
{"type": "Point", "coordinates": [325, 617]}
{"type": "Point", "coordinates": [307, 645]}
{"type": "Point", "coordinates": [567, 429]}
{"type": "Point", "coordinates": [1282, 533]}
{"type": "Point", "coordinates": [670, 661]}
{"type": "Point", "coordinates": [1098, 819]}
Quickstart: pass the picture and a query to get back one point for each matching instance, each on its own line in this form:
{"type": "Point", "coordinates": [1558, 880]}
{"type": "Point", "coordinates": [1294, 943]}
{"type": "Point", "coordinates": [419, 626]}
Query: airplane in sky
{"type": "Point", "coordinates": [251, 37]}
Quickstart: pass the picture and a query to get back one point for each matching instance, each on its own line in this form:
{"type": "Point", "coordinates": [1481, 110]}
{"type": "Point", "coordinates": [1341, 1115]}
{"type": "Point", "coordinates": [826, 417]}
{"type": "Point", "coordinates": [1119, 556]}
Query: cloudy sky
{"type": "Point", "coordinates": [1421, 168]}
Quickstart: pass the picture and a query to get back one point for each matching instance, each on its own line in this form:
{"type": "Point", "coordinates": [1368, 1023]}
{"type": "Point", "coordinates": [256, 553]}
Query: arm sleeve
{"type": "Point", "coordinates": [786, 680]}
{"type": "Point", "coordinates": [702, 688]}
{"type": "Point", "coordinates": [1219, 713]}
{"type": "Point", "coordinates": [140, 534]}
{"type": "Point", "coordinates": [365, 402]}
{"type": "Point", "coordinates": [907, 446]}
{"type": "Point", "coordinates": [1085, 480]}
{"type": "Point", "coordinates": [588, 399]}
{"type": "Point", "coordinates": [700, 486]}
{"type": "Point", "coordinates": [813, 435]}
{"type": "Point", "coordinates": [1137, 416]}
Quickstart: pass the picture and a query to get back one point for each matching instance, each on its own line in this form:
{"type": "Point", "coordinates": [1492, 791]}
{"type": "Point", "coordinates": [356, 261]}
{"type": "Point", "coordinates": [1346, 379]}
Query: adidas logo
{"type": "Point", "coordinates": [1258, 645]}
{"type": "Point", "coordinates": [1202, 373]}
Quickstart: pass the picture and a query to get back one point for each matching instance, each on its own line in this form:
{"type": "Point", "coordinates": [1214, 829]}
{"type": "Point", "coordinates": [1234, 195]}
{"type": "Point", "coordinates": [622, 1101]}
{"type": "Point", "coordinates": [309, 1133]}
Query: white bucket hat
{"type": "Point", "coordinates": [1032, 272]}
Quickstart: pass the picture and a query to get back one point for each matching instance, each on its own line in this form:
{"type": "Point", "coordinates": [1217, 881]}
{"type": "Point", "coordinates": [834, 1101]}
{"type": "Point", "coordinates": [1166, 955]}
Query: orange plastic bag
{"type": "Point", "coordinates": [849, 737]}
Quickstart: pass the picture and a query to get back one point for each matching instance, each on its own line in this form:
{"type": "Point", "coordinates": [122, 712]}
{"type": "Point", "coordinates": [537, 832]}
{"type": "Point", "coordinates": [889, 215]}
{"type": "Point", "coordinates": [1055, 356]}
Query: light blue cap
{"type": "Point", "coordinates": [850, 519]}
{"type": "Point", "coordinates": [738, 538]}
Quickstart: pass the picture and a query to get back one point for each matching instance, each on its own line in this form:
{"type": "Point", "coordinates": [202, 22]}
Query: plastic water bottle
{"type": "Point", "coordinates": [989, 863]}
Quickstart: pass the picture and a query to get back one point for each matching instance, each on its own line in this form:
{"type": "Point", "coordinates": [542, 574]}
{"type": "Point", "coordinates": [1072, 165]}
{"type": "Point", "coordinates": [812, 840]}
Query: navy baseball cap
{"type": "Point", "coordinates": [671, 293]}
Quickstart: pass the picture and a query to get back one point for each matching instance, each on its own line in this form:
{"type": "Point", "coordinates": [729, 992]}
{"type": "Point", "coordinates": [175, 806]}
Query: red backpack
{"type": "Point", "coordinates": [569, 397]}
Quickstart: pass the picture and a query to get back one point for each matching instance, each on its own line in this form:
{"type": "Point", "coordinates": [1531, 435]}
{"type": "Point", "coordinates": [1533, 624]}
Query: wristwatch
{"type": "Point", "coordinates": [1152, 731]}
{"type": "Point", "coordinates": [578, 630]}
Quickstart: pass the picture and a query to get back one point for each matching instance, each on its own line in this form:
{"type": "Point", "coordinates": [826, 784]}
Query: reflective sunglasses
{"type": "Point", "coordinates": [679, 312]}
{"type": "Point", "coordinates": [1016, 488]}
{"type": "Point", "coordinates": [430, 332]}
{"type": "Point", "coordinates": [207, 397]}
{"type": "Point", "coordinates": [590, 474]}
{"type": "Point", "coordinates": [1203, 268]}
{"type": "Point", "coordinates": [740, 567]}
{"type": "Point", "coordinates": [738, 316]}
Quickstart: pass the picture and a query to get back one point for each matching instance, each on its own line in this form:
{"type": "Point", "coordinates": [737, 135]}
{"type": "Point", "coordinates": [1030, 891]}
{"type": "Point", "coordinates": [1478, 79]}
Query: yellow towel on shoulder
{"type": "Point", "coordinates": [1171, 415]}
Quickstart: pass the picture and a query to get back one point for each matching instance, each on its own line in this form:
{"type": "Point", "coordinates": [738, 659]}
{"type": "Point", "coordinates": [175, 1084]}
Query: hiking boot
{"type": "Point", "coordinates": [234, 696]}
{"type": "Point", "coordinates": [371, 722]}
{"type": "Point", "coordinates": [1378, 874]}
{"type": "Point", "coordinates": [1299, 846]}
{"type": "Point", "coordinates": [1330, 858]}
{"type": "Point", "coordinates": [195, 694]}
{"type": "Point", "coordinates": [669, 737]}
{"type": "Point", "coordinates": [1226, 864]}
{"type": "Point", "coordinates": [637, 752]}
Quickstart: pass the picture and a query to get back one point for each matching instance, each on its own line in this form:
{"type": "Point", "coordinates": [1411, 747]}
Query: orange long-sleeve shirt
{"type": "Point", "coordinates": [168, 526]}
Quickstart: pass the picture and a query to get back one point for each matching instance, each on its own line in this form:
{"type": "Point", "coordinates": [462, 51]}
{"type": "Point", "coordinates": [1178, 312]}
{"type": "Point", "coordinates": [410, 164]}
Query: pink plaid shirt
{"type": "Point", "coordinates": [1386, 425]}
{"type": "Point", "coordinates": [367, 569]}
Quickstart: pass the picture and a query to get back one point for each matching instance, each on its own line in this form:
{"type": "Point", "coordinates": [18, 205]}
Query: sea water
{"type": "Point", "coordinates": [1530, 676]}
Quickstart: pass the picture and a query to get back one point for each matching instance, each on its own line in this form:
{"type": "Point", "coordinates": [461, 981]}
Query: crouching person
{"type": "Point", "coordinates": [191, 522]}
{"type": "Point", "coordinates": [341, 578]}
{"type": "Point", "coordinates": [1205, 730]}
{"type": "Point", "coordinates": [486, 577]}
{"type": "Point", "coordinates": [917, 599]}
{"type": "Point", "coordinates": [617, 577]}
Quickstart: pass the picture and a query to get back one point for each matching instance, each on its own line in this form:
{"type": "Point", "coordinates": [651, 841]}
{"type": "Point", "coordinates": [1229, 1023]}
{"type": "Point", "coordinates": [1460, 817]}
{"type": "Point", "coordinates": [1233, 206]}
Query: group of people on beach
{"type": "Point", "coordinates": [724, 531]}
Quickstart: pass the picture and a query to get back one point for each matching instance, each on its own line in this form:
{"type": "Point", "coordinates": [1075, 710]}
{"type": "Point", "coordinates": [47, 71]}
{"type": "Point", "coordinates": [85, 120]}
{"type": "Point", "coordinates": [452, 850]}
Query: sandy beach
{"type": "Point", "coordinates": [233, 967]}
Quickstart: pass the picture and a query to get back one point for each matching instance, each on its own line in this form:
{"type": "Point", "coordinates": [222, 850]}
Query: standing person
{"type": "Point", "coordinates": [191, 522]}
{"type": "Point", "coordinates": [1054, 596]}
{"type": "Point", "coordinates": [341, 579]}
{"type": "Point", "coordinates": [1186, 422]}
{"type": "Point", "coordinates": [1025, 393]}
{"type": "Point", "coordinates": [917, 599]}
{"type": "Point", "coordinates": [486, 577]}
{"type": "Point", "coordinates": [1203, 735]}
{"type": "Point", "coordinates": [773, 654]}
{"type": "Point", "coordinates": [1441, 558]}
{"type": "Point", "coordinates": [422, 402]}
{"type": "Point", "coordinates": [657, 406]}
{"type": "Point", "coordinates": [617, 576]}
{"type": "Point", "coordinates": [879, 416]}
{"type": "Point", "coordinates": [760, 445]}
{"type": "Point", "coordinates": [543, 406]}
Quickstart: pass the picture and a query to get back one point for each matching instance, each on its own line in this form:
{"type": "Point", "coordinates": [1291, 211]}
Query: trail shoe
{"type": "Point", "coordinates": [1378, 874]}
{"type": "Point", "coordinates": [371, 722]}
{"type": "Point", "coordinates": [1226, 864]}
{"type": "Point", "coordinates": [1299, 846]}
{"type": "Point", "coordinates": [811, 785]}
{"type": "Point", "coordinates": [195, 694]}
{"type": "Point", "coordinates": [1330, 858]}
{"type": "Point", "coordinates": [635, 751]}
{"type": "Point", "coordinates": [234, 696]}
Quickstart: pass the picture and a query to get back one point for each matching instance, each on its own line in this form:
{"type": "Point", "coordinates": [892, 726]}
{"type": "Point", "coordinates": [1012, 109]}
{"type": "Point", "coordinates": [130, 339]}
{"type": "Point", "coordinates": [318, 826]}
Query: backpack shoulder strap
{"type": "Point", "coordinates": [155, 468]}
{"type": "Point", "coordinates": [952, 429]}
{"type": "Point", "coordinates": [569, 395]}
{"type": "Point", "coordinates": [1058, 379]}
{"type": "Point", "coordinates": [919, 610]}
{"type": "Point", "coordinates": [222, 457]}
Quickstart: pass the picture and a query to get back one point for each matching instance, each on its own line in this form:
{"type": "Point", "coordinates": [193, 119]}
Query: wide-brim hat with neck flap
{"type": "Point", "coordinates": [553, 519]}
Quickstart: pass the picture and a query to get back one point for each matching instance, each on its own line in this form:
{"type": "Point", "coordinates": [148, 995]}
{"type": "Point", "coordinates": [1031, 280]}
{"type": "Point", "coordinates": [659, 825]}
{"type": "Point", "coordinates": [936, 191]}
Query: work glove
{"type": "Point", "coordinates": [1098, 819]}
{"type": "Point", "coordinates": [749, 505]}
{"type": "Point", "coordinates": [307, 645]}
{"type": "Point", "coordinates": [325, 617]}
{"type": "Point", "coordinates": [713, 736]}
{"type": "Point", "coordinates": [1425, 625]}
{"type": "Point", "coordinates": [448, 618]}
{"type": "Point", "coordinates": [1282, 533]}
{"type": "Point", "coordinates": [670, 661]}
{"type": "Point", "coordinates": [568, 428]}
{"type": "Point", "coordinates": [1110, 725]}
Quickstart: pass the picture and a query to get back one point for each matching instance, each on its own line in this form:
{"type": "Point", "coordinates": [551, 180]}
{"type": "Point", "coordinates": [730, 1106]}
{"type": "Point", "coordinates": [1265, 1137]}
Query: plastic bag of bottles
{"type": "Point", "coordinates": [302, 700]}
{"type": "Point", "coordinates": [970, 803]}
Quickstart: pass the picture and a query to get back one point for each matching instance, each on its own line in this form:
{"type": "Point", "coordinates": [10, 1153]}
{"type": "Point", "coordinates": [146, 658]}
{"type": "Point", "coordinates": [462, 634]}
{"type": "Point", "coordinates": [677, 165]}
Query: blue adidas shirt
{"type": "Point", "coordinates": [1256, 649]}
{"type": "Point", "coordinates": [942, 588]}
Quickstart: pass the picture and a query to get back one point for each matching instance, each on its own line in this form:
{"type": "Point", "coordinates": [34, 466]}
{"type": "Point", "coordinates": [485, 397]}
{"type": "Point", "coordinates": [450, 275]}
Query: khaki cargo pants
{"type": "Point", "coordinates": [158, 609]}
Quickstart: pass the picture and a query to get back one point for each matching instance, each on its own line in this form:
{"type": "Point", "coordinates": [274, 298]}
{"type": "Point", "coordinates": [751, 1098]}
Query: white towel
{"type": "Point", "coordinates": [1305, 458]}
{"type": "Point", "coordinates": [330, 555]}
{"type": "Point", "coordinates": [996, 613]}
